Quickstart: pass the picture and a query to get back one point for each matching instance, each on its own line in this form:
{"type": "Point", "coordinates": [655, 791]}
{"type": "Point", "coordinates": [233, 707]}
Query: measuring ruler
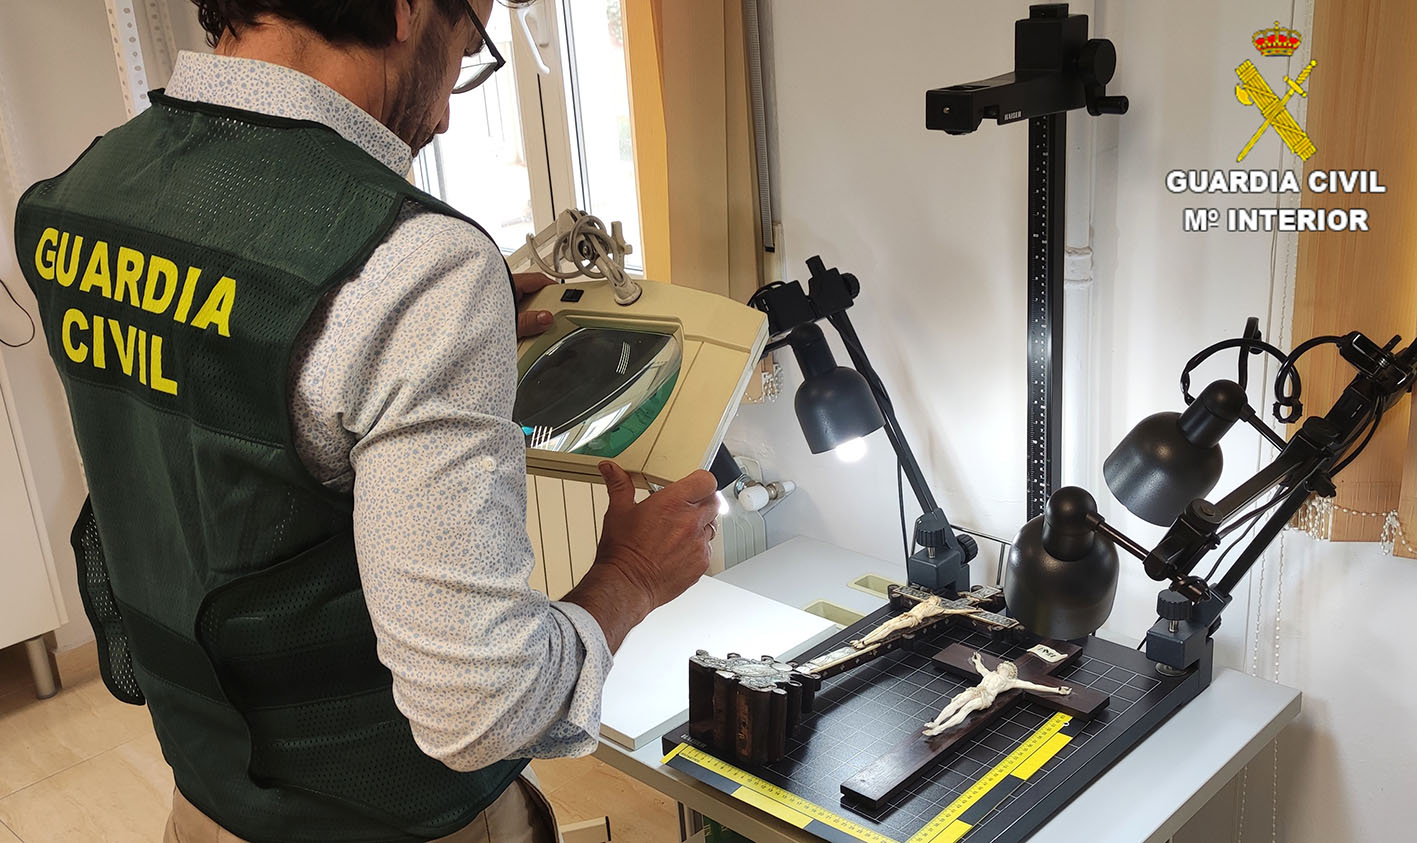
{"type": "Point", "coordinates": [1047, 173]}
{"type": "Point", "coordinates": [984, 795]}
{"type": "Point", "coordinates": [948, 826]}
{"type": "Point", "coordinates": [783, 804]}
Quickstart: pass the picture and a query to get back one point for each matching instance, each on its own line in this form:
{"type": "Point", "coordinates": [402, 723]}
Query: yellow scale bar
{"type": "Point", "coordinates": [947, 827]}
{"type": "Point", "coordinates": [784, 805]}
{"type": "Point", "coordinates": [1021, 763]}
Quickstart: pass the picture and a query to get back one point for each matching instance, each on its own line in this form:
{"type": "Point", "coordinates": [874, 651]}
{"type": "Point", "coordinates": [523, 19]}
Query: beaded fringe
{"type": "Point", "coordinates": [1316, 519]}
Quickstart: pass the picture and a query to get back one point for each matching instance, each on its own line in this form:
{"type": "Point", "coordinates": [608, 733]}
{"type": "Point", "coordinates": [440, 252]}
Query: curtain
{"type": "Point", "coordinates": [693, 137]}
{"type": "Point", "coordinates": [1362, 116]}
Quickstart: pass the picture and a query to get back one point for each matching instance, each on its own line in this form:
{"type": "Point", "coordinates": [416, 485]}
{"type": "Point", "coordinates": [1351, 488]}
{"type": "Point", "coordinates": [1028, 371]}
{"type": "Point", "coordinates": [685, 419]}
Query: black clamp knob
{"type": "Point", "coordinates": [968, 546]}
{"type": "Point", "coordinates": [1097, 62]}
{"type": "Point", "coordinates": [1173, 606]}
{"type": "Point", "coordinates": [933, 530]}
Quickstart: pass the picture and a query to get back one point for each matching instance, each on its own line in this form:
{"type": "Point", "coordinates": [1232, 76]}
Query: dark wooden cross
{"type": "Point", "coordinates": [874, 784]}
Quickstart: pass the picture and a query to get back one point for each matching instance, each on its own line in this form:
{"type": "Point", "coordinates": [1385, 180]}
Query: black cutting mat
{"type": "Point", "coordinates": [859, 716]}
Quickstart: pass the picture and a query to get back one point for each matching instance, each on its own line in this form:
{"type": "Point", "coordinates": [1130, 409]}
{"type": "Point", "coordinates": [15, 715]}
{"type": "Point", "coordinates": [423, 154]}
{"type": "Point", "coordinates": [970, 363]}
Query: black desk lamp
{"type": "Point", "coordinates": [1170, 459]}
{"type": "Point", "coordinates": [837, 405]}
{"type": "Point", "coordinates": [834, 405]}
{"type": "Point", "coordinates": [1062, 574]}
{"type": "Point", "coordinates": [1162, 469]}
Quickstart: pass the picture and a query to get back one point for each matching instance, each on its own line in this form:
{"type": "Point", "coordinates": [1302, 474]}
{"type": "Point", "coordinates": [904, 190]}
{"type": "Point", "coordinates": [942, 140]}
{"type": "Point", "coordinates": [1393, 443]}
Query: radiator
{"type": "Point", "coordinates": [563, 519]}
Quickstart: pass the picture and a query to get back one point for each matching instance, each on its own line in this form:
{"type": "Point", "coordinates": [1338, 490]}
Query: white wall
{"type": "Point", "coordinates": [934, 227]}
{"type": "Point", "coordinates": [62, 91]}
{"type": "Point", "coordinates": [58, 101]}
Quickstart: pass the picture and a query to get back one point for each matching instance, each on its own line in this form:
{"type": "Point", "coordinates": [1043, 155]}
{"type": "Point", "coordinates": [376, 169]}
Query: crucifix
{"type": "Point", "coordinates": [875, 783]}
{"type": "Point", "coordinates": [745, 709]}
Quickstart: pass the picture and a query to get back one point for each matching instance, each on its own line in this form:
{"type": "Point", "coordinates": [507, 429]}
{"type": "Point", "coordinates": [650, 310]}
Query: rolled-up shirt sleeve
{"type": "Point", "coordinates": [412, 367]}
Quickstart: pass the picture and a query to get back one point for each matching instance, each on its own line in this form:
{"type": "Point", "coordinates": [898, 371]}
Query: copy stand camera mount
{"type": "Point", "coordinates": [1057, 69]}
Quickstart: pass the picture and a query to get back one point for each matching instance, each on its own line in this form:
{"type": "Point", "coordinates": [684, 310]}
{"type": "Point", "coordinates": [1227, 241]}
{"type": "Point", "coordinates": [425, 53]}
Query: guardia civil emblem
{"type": "Point", "coordinates": [1254, 90]}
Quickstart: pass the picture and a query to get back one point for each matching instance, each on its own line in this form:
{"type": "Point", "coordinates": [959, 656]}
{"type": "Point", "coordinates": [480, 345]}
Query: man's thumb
{"type": "Point", "coordinates": [617, 483]}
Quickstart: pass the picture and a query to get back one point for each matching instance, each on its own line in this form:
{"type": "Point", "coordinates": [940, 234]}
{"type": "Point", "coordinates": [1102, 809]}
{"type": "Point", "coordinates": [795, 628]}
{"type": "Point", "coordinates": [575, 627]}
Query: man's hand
{"type": "Point", "coordinates": [531, 322]}
{"type": "Point", "coordinates": [650, 552]}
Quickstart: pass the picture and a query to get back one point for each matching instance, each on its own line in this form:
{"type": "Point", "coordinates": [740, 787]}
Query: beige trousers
{"type": "Point", "coordinates": [520, 815]}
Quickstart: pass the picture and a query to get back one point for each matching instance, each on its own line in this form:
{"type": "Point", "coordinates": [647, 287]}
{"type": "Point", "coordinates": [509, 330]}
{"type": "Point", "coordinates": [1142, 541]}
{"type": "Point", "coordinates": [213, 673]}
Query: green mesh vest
{"type": "Point", "coordinates": [175, 263]}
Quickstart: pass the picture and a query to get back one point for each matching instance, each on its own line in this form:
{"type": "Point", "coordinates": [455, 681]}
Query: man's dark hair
{"type": "Point", "coordinates": [365, 22]}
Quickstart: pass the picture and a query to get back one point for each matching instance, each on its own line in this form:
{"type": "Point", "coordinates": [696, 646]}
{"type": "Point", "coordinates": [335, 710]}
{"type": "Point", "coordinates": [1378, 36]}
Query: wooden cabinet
{"type": "Point", "coordinates": [30, 602]}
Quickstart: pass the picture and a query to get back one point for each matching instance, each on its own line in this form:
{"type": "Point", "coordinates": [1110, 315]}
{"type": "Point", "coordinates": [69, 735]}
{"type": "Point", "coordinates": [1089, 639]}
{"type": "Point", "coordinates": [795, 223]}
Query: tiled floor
{"type": "Point", "coordinates": [84, 767]}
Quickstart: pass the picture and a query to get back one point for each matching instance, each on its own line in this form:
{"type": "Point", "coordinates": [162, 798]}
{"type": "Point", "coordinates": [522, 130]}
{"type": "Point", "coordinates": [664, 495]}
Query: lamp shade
{"type": "Point", "coordinates": [1170, 459]}
{"type": "Point", "coordinates": [724, 468]}
{"type": "Point", "coordinates": [1061, 574]}
{"type": "Point", "coordinates": [834, 403]}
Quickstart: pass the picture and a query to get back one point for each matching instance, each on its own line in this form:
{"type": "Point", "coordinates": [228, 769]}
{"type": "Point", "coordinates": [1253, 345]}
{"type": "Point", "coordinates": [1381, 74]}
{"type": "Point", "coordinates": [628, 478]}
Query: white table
{"type": "Point", "coordinates": [1162, 782]}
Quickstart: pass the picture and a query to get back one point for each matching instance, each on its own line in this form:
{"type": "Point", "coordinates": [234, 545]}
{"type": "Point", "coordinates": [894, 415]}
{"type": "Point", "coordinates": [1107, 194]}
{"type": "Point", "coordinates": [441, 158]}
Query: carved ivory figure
{"type": "Point", "coordinates": [918, 614]}
{"type": "Point", "coordinates": [995, 682]}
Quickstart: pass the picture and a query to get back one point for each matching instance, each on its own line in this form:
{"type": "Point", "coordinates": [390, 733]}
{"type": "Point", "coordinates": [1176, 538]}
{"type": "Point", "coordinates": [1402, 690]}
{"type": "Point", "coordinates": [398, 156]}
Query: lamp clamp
{"type": "Point", "coordinates": [942, 562]}
{"type": "Point", "coordinates": [1176, 643]}
{"type": "Point", "coordinates": [1378, 363]}
{"type": "Point", "coordinates": [1194, 534]}
{"type": "Point", "coordinates": [788, 306]}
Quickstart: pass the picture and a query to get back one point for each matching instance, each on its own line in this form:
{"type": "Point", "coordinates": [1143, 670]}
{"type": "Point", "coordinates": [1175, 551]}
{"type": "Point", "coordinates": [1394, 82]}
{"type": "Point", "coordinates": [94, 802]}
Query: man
{"type": "Point", "coordinates": [291, 376]}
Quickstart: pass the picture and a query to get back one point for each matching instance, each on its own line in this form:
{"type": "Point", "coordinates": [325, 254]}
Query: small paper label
{"type": "Point", "coordinates": [1046, 653]}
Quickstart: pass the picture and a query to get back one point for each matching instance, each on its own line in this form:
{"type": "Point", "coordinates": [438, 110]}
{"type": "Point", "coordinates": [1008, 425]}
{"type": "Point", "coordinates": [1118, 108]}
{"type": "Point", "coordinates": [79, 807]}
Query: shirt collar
{"type": "Point", "coordinates": [273, 89]}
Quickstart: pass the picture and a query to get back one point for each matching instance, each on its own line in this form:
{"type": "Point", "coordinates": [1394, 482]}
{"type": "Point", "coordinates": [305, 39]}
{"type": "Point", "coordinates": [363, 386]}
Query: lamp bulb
{"type": "Point", "coordinates": [851, 451]}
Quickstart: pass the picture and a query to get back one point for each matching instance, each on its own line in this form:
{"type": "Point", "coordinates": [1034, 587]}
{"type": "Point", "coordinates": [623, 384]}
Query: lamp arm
{"type": "Point", "coordinates": [1119, 538]}
{"type": "Point", "coordinates": [1197, 531]}
{"type": "Point", "coordinates": [1304, 466]}
{"type": "Point", "coordinates": [1293, 464]}
{"type": "Point", "coordinates": [1359, 408]}
{"type": "Point", "coordinates": [857, 352]}
{"type": "Point", "coordinates": [1253, 420]}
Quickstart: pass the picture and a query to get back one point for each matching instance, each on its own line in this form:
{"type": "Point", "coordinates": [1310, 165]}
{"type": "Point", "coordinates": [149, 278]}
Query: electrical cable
{"type": "Point", "coordinates": [594, 251]}
{"type": "Point", "coordinates": [33, 328]}
{"type": "Point", "coordinates": [1288, 387]}
{"type": "Point", "coordinates": [900, 497]}
{"type": "Point", "coordinates": [1253, 518]}
{"type": "Point", "coordinates": [1247, 345]}
{"type": "Point", "coordinates": [1352, 455]}
{"type": "Point", "coordinates": [1255, 513]}
{"type": "Point", "coordinates": [1252, 332]}
{"type": "Point", "coordinates": [1287, 371]}
{"type": "Point", "coordinates": [1284, 491]}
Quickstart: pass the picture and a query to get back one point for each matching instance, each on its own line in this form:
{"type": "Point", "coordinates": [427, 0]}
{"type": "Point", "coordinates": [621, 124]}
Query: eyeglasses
{"type": "Point", "coordinates": [475, 73]}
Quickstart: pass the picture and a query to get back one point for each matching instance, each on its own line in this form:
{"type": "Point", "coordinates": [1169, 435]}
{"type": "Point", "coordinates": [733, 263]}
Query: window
{"type": "Point", "coordinates": [528, 144]}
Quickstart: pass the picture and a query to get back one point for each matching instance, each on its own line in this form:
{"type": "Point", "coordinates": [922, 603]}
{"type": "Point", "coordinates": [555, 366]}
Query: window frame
{"type": "Point", "coordinates": [545, 106]}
